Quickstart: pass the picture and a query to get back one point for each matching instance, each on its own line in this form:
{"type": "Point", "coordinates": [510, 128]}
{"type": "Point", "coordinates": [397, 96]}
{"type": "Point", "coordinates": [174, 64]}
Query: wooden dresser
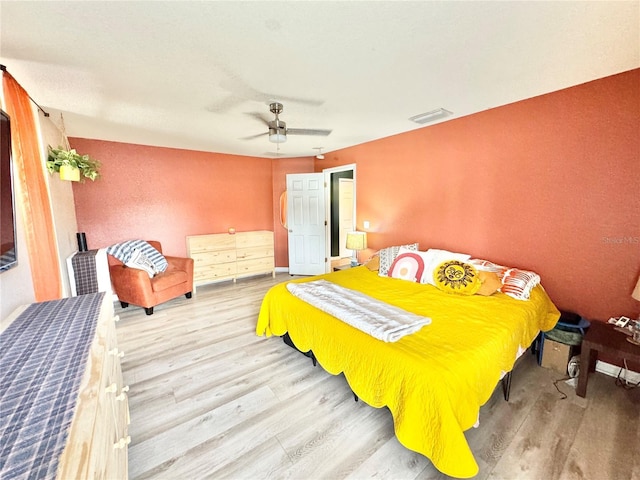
{"type": "Point", "coordinates": [97, 440]}
{"type": "Point", "coordinates": [224, 256]}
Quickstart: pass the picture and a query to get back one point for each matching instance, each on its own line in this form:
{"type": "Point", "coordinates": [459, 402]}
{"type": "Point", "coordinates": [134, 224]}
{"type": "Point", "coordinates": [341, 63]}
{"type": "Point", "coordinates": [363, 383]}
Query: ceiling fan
{"type": "Point", "coordinates": [277, 129]}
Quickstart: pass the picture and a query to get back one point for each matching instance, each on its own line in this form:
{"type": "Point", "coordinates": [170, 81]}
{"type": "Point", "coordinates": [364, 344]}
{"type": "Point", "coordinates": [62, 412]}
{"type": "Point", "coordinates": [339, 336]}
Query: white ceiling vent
{"type": "Point", "coordinates": [432, 116]}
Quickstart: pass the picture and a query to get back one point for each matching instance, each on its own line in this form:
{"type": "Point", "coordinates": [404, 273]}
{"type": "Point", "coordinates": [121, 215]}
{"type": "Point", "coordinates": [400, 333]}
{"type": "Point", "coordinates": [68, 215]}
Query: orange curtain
{"type": "Point", "coordinates": [34, 197]}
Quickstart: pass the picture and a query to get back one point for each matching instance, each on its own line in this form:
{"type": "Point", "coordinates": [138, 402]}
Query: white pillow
{"type": "Point", "coordinates": [140, 261]}
{"type": "Point", "coordinates": [434, 257]}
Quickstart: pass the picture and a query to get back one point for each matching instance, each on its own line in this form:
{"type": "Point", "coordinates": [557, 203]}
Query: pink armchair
{"type": "Point", "coordinates": [134, 286]}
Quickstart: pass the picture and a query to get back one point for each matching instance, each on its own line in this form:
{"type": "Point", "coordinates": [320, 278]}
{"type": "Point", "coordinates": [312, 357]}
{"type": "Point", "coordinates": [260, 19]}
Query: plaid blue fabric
{"type": "Point", "coordinates": [123, 251]}
{"type": "Point", "coordinates": [84, 272]}
{"type": "Point", "coordinates": [43, 356]}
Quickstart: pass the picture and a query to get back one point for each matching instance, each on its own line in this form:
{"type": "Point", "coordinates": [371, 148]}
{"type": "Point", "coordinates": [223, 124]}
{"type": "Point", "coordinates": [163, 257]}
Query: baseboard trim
{"type": "Point", "coordinates": [282, 269]}
{"type": "Point", "coordinates": [614, 370]}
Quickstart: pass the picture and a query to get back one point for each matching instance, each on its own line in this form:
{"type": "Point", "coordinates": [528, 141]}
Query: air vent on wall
{"type": "Point", "coordinates": [431, 116]}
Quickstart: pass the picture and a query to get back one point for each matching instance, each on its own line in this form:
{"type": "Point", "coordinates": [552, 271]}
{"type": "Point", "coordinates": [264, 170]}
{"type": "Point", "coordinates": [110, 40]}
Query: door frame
{"type": "Point", "coordinates": [327, 191]}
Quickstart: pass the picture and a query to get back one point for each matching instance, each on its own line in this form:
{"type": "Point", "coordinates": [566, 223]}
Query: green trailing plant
{"type": "Point", "coordinates": [61, 156]}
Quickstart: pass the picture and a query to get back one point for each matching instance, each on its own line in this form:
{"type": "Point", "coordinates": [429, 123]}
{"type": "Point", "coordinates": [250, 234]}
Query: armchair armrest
{"type": "Point", "coordinates": [181, 263]}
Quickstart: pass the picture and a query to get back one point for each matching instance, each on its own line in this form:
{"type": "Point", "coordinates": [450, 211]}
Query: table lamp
{"type": "Point", "coordinates": [636, 291]}
{"type": "Point", "coordinates": [636, 296]}
{"type": "Point", "coordinates": [356, 241]}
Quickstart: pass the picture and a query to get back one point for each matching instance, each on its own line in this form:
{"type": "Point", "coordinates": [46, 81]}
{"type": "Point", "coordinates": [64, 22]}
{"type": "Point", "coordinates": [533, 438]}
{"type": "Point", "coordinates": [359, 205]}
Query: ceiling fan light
{"type": "Point", "coordinates": [277, 134]}
{"type": "Point", "coordinates": [277, 137]}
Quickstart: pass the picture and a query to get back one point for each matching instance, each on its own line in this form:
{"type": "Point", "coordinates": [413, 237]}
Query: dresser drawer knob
{"type": "Point", "coordinates": [122, 443]}
{"type": "Point", "coordinates": [123, 392]}
{"type": "Point", "coordinates": [116, 353]}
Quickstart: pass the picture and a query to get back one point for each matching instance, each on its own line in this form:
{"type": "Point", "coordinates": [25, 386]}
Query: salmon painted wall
{"type": "Point", "coordinates": [166, 194]}
{"type": "Point", "coordinates": [550, 184]}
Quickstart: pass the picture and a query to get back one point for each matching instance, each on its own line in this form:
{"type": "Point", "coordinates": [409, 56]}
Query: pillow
{"type": "Point", "coordinates": [435, 257]}
{"type": "Point", "coordinates": [373, 263]}
{"type": "Point", "coordinates": [489, 283]}
{"type": "Point", "coordinates": [519, 283]}
{"type": "Point", "coordinates": [515, 282]}
{"type": "Point", "coordinates": [487, 266]}
{"type": "Point", "coordinates": [454, 276]}
{"type": "Point", "coordinates": [123, 251]}
{"type": "Point", "coordinates": [389, 254]}
{"type": "Point", "coordinates": [407, 266]}
{"type": "Point", "coordinates": [139, 260]}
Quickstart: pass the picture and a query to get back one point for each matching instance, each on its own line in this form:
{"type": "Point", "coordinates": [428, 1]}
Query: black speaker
{"type": "Point", "coordinates": [82, 241]}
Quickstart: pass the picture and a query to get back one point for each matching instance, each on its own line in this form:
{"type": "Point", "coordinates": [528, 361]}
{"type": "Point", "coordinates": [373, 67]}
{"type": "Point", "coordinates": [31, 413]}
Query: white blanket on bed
{"type": "Point", "coordinates": [378, 319]}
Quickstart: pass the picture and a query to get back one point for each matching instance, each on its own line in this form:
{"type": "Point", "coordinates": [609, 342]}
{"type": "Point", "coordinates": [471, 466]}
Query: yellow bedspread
{"type": "Point", "coordinates": [433, 381]}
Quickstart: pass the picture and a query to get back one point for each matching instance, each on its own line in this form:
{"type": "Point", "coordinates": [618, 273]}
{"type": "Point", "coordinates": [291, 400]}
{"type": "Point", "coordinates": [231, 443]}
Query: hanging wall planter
{"type": "Point", "coordinates": [69, 173]}
{"type": "Point", "coordinates": [71, 165]}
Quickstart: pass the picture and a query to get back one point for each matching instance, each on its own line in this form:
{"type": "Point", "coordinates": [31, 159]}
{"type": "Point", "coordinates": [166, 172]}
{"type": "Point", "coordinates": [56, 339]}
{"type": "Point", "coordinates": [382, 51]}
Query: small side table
{"type": "Point", "coordinates": [346, 266]}
{"type": "Point", "coordinates": [603, 338]}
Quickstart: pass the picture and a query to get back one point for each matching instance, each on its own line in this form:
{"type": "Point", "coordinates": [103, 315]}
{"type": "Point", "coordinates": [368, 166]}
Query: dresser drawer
{"type": "Point", "coordinates": [213, 272]}
{"type": "Point", "coordinates": [254, 239]}
{"type": "Point", "coordinates": [210, 243]}
{"type": "Point", "coordinates": [255, 252]}
{"type": "Point", "coordinates": [213, 258]}
{"type": "Point", "coordinates": [257, 265]}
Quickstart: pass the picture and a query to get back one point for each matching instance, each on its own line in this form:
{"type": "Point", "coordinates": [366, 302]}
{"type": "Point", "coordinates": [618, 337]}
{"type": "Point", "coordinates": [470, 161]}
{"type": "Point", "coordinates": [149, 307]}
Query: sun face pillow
{"type": "Point", "coordinates": [454, 276]}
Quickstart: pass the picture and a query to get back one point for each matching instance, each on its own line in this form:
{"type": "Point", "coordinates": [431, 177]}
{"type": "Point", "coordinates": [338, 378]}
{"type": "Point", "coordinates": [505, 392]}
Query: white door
{"type": "Point", "coordinates": [345, 213]}
{"type": "Point", "coordinates": [306, 222]}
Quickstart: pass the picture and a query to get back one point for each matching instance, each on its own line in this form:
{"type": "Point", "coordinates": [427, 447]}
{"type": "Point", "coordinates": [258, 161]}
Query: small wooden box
{"type": "Point", "coordinates": [556, 355]}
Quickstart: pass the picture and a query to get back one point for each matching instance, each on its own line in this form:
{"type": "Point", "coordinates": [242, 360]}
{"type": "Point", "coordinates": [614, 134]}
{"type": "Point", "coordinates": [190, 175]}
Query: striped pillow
{"type": "Point", "coordinates": [518, 283]}
{"type": "Point", "coordinates": [515, 282]}
{"type": "Point", "coordinates": [487, 266]}
{"type": "Point", "coordinates": [123, 251]}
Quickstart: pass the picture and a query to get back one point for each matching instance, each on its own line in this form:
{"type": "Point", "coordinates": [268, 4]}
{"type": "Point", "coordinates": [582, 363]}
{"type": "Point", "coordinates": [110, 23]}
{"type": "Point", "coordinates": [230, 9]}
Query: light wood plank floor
{"type": "Point", "coordinates": [210, 399]}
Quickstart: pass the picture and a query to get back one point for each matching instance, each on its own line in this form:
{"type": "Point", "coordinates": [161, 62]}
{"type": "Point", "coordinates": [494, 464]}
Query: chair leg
{"type": "Point", "coordinates": [188, 295]}
{"type": "Point", "coordinates": [124, 304]}
{"type": "Point", "coordinates": [148, 311]}
{"type": "Point", "coordinates": [506, 386]}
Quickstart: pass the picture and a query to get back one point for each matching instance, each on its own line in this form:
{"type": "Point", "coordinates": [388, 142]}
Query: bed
{"type": "Point", "coordinates": [433, 381]}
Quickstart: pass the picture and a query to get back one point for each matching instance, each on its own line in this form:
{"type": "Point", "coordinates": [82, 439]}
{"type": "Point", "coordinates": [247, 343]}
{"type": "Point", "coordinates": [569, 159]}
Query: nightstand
{"type": "Point", "coordinates": [344, 267]}
{"type": "Point", "coordinates": [603, 337]}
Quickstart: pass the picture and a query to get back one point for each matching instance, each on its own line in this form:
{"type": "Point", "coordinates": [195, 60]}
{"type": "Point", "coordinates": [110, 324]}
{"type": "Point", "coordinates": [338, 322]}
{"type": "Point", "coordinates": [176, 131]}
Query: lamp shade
{"type": "Point", "coordinates": [636, 291]}
{"type": "Point", "coordinates": [357, 240]}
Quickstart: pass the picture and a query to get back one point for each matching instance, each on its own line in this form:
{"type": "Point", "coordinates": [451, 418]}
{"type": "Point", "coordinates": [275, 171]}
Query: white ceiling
{"type": "Point", "coordinates": [190, 74]}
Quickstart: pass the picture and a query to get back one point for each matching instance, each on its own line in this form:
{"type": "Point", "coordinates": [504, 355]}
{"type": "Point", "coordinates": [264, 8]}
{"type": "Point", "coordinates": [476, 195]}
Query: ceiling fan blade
{"type": "Point", "coordinates": [260, 117]}
{"type": "Point", "coordinates": [304, 101]}
{"type": "Point", "coordinates": [308, 131]}
{"type": "Point", "coordinates": [257, 135]}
